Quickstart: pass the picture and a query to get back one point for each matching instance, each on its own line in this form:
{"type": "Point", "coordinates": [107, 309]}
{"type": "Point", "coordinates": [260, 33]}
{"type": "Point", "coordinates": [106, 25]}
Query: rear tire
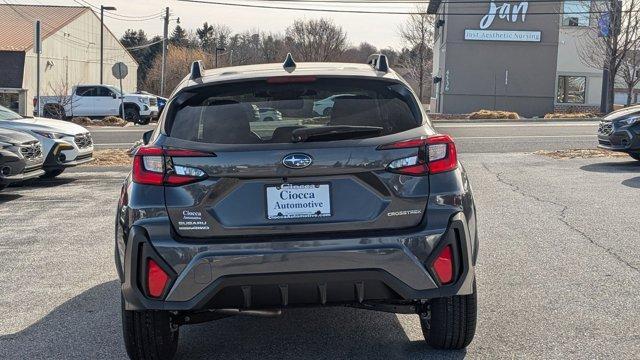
{"type": "Point", "coordinates": [132, 114]}
{"type": "Point", "coordinates": [50, 174]}
{"type": "Point", "coordinates": [450, 322]}
{"type": "Point", "coordinates": [635, 156]}
{"type": "Point", "coordinates": [148, 335]}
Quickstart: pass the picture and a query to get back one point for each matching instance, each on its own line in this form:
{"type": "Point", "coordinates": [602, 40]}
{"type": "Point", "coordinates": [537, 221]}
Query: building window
{"type": "Point", "coordinates": [576, 13]}
{"type": "Point", "coordinates": [571, 89]}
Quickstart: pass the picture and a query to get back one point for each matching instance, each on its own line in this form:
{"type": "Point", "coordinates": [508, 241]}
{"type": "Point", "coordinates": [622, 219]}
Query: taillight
{"type": "Point", "coordinates": [148, 166]}
{"type": "Point", "coordinates": [154, 166]}
{"type": "Point", "coordinates": [157, 279]}
{"type": "Point", "coordinates": [436, 154]}
{"type": "Point", "coordinates": [443, 265]}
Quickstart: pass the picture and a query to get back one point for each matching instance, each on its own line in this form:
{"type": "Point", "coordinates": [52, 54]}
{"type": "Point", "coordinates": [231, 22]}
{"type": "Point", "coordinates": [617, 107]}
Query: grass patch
{"type": "Point", "coordinates": [581, 154]}
{"type": "Point", "coordinates": [108, 121]}
{"type": "Point", "coordinates": [493, 114]}
{"type": "Point", "coordinates": [583, 115]}
{"type": "Point", "coordinates": [111, 157]}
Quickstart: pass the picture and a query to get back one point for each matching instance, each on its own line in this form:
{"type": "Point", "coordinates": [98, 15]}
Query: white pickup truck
{"type": "Point", "coordinates": [99, 101]}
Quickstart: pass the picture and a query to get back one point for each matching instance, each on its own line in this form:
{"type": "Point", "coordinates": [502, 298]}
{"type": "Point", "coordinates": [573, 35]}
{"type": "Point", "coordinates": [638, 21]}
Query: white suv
{"type": "Point", "coordinates": [64, 144]}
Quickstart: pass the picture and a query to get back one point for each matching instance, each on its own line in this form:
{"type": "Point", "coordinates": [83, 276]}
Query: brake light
{"type": "Point", "coordinates": [443, 265]}
{"type": "Point", "coordinates": [436, 154]}
{"type": "Point", "coordinates": [157, 279]}
{"type": "Point", "coordinates": [154, 166]}
{"type": "Point", "coordinates": [291, 79]}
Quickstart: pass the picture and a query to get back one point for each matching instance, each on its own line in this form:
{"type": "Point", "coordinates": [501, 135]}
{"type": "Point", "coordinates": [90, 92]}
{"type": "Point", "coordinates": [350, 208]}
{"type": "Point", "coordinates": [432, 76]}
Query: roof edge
{"type": "Point", "coordinates": [433, 7]}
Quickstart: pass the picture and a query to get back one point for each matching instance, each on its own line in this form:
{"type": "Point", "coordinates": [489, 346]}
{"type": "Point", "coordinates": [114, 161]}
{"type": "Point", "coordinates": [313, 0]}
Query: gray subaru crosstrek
{"type": "Point", "coordinates": [364, 206]}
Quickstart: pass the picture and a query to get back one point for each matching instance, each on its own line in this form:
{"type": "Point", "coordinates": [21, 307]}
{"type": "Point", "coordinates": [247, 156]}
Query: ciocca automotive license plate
{"type": "Point", "coordinates": [293, 201]}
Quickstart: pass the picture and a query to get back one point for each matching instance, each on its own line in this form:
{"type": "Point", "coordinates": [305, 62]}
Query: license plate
{"type": "Point", "coordinates": [289, 201]}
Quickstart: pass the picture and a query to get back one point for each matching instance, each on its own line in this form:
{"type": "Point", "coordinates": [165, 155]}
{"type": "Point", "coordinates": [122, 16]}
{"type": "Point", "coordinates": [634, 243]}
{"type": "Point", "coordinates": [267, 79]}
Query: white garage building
{"type": "Point", "coordinates": [70, 53]}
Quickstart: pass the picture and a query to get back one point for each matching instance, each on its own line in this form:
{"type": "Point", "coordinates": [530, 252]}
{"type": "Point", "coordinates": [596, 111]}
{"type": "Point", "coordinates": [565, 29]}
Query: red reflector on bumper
{"type": "Point", "coordinates": [157, 279]}
{"type": "Point", "coordinates": [443, 265]}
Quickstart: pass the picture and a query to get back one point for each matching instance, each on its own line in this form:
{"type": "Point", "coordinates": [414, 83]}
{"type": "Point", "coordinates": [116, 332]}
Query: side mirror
{"type": "Point", "coordinates": [113, 95]}
{"type": "Point", "coordinates": [146, 137]}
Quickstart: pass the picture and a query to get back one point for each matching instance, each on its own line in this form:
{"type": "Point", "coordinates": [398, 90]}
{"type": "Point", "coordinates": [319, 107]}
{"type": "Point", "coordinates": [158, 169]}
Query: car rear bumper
{"type": "Point", "coordinates": [299, 272]}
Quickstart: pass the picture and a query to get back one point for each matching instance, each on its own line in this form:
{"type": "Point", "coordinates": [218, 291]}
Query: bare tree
{"type": "Point", "coordinates": [358, 54]}
{"type": "Point", "coordinates": [179, 61]}
{"type": "Point", "coordinates": [316, 40]}
{"type": "Point", "coordinates": [630, 73]}
{"type": "Point", "coordinates": [61, 102]}
{"type": "Point", "coordinates": [417, 34]}
{"type": "Point", "coordinates": [614, 33]}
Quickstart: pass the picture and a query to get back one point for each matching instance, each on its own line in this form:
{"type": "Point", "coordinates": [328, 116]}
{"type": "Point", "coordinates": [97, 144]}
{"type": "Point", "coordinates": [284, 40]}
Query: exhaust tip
{"type": "Point", "coordinates": [5, 171]}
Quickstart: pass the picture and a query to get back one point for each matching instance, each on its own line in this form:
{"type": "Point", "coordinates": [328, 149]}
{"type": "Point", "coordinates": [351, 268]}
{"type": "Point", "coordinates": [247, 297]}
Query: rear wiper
{"type": "Point", "coordinates": [338, 132]}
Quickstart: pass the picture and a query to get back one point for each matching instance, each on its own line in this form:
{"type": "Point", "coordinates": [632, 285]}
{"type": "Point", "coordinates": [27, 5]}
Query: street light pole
{"type": "Point", "coordinates": [218, 49]}
{"type": "Point", "coordinates": [102, 9]}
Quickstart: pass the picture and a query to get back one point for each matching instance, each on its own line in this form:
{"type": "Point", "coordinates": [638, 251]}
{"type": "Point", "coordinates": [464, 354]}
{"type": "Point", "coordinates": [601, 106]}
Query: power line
{"type": "Point", "coordinates": [138, 47]}
{"type": "Point", "coordinates": [120, 17]}
{"type": "Point", "coordinates": [247, 5]}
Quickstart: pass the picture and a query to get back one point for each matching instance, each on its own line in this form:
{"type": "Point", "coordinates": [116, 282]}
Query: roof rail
{"type": "Point", "coordinates": [197, 70]}
{"type": "Point", "coordinates": [379, 62]}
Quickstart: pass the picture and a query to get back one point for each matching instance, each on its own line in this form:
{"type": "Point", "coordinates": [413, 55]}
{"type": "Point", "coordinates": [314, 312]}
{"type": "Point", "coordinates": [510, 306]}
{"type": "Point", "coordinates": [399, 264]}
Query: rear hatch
{"type": "Point", "coordinates": [356, 168]}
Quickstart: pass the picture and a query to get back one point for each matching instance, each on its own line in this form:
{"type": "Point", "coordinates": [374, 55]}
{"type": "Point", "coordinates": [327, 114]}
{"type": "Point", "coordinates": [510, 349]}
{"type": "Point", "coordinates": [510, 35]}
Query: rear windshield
{"type": "Point", "coordinates": [309, 109]}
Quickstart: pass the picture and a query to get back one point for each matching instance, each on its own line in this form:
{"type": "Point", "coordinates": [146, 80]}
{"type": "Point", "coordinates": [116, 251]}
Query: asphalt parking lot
{"type": "Point", "coordinates": [558, 274]}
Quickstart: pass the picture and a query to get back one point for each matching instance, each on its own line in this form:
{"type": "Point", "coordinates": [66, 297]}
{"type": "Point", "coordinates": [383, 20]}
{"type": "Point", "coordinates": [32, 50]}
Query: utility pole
{"type": "Point", "coordinates": [164, 50]}
{"type": "Point", "coordinates": [38, 49]}
{"type": "Point", "coordinates": [102, 9]}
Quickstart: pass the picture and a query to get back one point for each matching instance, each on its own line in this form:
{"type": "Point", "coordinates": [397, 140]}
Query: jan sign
{"type": "Point", "coordinates": [510, 12]}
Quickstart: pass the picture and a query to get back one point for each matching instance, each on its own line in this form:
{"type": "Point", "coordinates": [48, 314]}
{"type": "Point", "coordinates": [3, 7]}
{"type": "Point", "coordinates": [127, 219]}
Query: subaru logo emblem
{"type": "Point", "coordinates": [297, 161]}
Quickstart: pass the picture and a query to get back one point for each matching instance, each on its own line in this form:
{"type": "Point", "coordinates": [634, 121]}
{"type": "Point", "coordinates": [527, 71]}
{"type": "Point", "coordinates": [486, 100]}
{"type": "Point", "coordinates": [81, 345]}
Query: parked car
{"type": "Point", "coordinates": [64, 144]}
{"type": "Point", "coordinates": [267, 113]}
{"type": "Point", "coordinates": [323, 107]}
{"type": "Point", "coordinates": [620, 131]}
{"type": "Point", "coordinates": [21, 157]}
{"type": "Point", "coordinates": [161, 101]}
{"type": "Point", "coordinates": [369, 209]}
{"type": "Point", "coordinates": [99, 101]}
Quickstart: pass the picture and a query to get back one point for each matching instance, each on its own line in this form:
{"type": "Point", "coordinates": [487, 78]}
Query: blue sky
{"type": "Point", "coordinates": [380, 30]}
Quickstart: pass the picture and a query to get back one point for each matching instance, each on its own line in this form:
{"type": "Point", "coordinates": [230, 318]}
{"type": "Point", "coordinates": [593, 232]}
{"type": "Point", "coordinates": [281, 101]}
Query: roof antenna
{"type": "Point", "coordinates": [289, 65]}
{"type": "Point", "coordinates": [197, 70]}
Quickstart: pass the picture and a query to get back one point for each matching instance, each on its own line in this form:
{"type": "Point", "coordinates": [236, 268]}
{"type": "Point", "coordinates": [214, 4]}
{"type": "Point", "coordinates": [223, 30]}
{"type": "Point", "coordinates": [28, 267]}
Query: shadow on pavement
{"type": "Point", "coordinates": [613, 167]}
{"type": "Point", "coordinates": [633, 183]}
{"type": "Point", "coordinates": [6, 196]}
{"type": "Point", "coordinates": [88, 326]}
{"type": "Point", "coordinates": [43, 183]}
